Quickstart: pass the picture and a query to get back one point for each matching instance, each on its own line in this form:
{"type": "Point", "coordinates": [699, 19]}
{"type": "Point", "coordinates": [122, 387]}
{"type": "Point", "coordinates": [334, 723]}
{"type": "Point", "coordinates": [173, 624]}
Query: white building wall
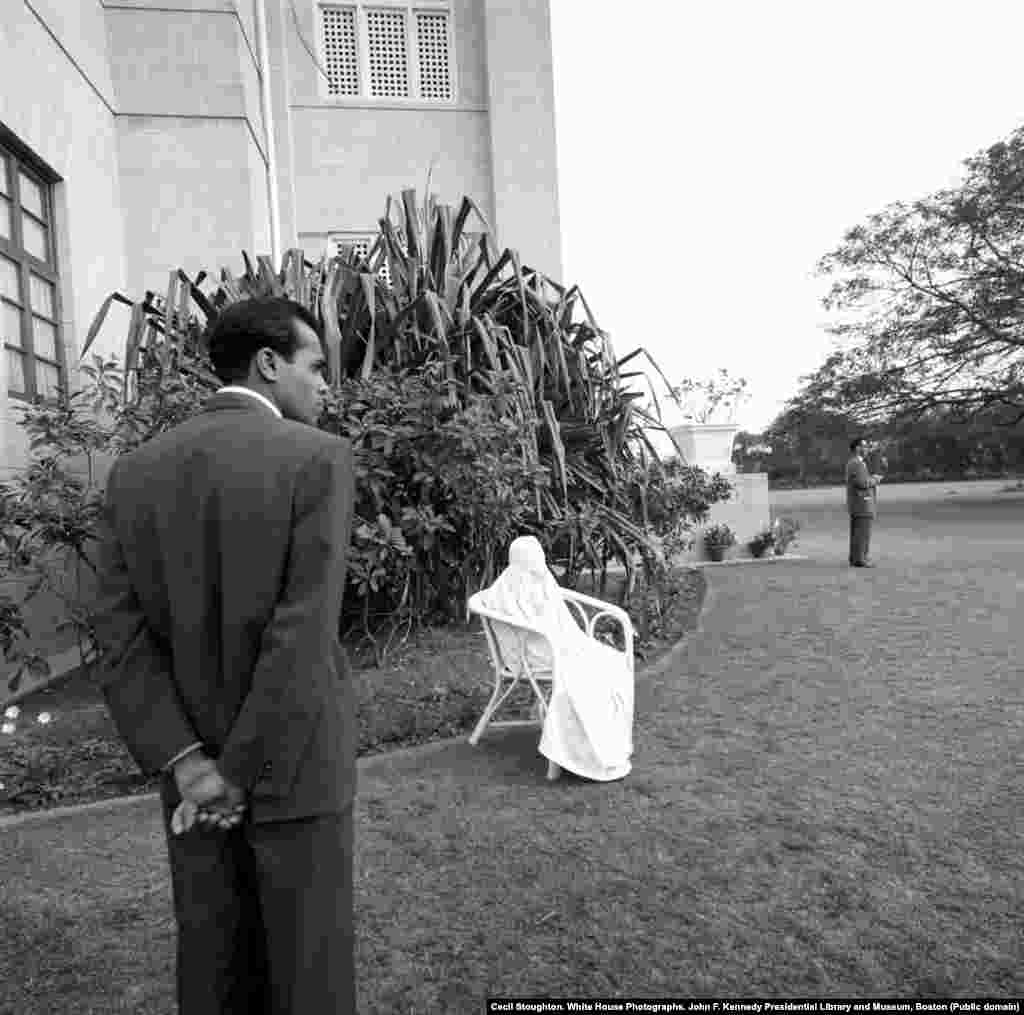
{"type": "Point", "coordinates": [346, 166]}
{"type": "Point", "coordinates": [190, 139]}
{"type": "Point", "coordinates": [522, 121]}
{"type": "Point", "coordinates": [56, 97]}
{"type": "Point", "coordinates": [148, 114]}
{"type": "Point", "coordinates": [350, 154]}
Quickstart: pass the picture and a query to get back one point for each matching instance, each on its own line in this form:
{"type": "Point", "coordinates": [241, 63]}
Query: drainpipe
{"type": "Point", "coordinates": [263, 50]}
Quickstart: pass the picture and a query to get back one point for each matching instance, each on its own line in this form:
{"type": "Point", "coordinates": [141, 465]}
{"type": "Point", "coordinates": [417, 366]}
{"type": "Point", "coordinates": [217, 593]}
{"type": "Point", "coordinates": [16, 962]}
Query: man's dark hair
{"type": "Point", "coordinates": [856, 443]}
{"type": "Point", "coordinates": [243, 328]}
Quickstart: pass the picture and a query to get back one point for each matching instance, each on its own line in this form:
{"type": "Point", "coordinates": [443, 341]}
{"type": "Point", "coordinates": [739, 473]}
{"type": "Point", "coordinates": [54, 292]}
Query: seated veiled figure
{"type": "Point", "coordinates": [588, 728]}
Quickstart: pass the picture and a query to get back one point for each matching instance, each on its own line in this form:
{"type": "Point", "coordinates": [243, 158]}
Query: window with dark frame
{"type": "Point", "coordinates": [29, 298]}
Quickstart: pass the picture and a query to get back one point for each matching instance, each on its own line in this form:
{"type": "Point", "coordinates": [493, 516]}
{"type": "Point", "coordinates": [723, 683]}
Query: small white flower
{"type": "Point", "coordinates": [44, 718]}
{"type": "Point", "coordinates": [8, 727]}
{"type": "Point", "coordinates": [13, 712]}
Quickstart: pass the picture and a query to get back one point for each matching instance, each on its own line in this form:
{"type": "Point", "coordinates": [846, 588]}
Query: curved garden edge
{"type": "Point", "coordinates": [430, 691]}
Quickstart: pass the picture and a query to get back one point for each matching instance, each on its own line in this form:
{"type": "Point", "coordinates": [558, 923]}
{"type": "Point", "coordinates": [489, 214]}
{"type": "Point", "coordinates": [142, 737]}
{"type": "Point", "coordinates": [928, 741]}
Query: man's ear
{"type": "Point", "coordinates": [266, 365]}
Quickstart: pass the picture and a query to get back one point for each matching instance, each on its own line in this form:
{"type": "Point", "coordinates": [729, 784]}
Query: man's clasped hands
{"type": "Point", "coordinates": [207, 798]}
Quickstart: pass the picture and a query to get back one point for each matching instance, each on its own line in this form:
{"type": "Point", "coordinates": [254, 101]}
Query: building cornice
{"type": "Point", "coordinates": [139, 5]}
{"type": "Point", "coordinates": [125, 114]}
{"type": "Point", "coordinates": [74, 63]}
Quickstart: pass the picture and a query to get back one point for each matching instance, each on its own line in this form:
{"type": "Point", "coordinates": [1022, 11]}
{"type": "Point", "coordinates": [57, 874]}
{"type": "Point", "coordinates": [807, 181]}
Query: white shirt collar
{"type": "Point", "coordinates": [237, 389]}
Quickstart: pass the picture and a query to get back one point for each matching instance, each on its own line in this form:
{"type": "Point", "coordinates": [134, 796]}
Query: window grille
{"type": "Point", "coordinates": [340, 52]}
{"type": "Point", "coordinates": [388, 52]}
{"type": "Point", "coordinates": [432, 50]}
{"type": "Point", "coordinates": [389, 58]}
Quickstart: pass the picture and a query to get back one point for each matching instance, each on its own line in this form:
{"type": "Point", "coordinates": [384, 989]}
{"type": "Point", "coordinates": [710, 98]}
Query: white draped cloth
{"type": "Point", "coordinates": [588, 729]}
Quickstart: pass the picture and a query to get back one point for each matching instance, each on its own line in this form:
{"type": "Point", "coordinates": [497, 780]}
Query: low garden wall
{"type": "Point", "coordinates": [746, 513]}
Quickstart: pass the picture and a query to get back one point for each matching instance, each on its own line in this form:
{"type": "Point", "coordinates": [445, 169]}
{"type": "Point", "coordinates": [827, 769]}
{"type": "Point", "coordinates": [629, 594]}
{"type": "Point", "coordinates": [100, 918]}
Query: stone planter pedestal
{"type": "Point", "coordinates": [709, 446]}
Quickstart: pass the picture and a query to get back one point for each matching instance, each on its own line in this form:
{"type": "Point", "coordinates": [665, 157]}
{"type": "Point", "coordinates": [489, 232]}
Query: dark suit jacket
{"type": "Point", "coordinates": [222, 574]}
{"type": "Point", "coordinates": [860, 489]}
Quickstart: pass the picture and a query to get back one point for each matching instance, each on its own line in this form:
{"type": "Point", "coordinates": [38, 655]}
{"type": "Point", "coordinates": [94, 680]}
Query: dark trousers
{"type": "Point", "coordinates": [264, 912]}
{"type": "Point", "coordinates": [860, 538]}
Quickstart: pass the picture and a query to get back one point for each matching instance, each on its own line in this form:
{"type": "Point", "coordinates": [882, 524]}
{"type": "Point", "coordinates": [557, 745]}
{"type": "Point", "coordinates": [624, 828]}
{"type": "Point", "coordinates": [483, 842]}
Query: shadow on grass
{"type": "Point", "coordinates": [433, 687]}
{"type": "Point", "coordinates": [763, 846]}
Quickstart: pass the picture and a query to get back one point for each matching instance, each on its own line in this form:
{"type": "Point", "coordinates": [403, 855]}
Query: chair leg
{"type": "Point", "coordinates": [478, 730]}
{"type": "Point", "coordinates": [488, 714]}
{"type": "Point", "coordinates": [554, 771]}
{"type": "Point", "coordinates": [540, 706]}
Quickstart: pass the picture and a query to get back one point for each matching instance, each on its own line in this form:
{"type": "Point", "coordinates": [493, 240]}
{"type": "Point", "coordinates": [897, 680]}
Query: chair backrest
{"type": "Point", "coordinates": [514, 647]}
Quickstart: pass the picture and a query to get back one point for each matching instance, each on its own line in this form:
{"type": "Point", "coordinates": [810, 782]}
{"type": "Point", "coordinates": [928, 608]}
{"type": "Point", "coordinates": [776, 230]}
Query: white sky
{"type": "Point", "coordinates": [709, 153]}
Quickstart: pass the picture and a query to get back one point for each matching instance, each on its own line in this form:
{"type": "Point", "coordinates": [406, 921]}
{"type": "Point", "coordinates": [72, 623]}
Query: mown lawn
{"type": "Point", "coordinates": [432, 686]}
{"type": "Point", "coordinates": [826, 801]}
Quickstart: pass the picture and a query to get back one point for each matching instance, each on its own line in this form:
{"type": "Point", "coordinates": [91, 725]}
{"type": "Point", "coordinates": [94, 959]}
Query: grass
{"type": "Point", "coordinates": [85, 911]}
{"type": "Point", "coordinates": [432, 687]}
{"type": "Point", "coordinates": [826, 802]}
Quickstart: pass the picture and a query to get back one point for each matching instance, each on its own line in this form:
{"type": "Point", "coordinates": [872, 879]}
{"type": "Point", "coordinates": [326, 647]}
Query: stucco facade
{"type": "Point", "coordinates": [144, 120]}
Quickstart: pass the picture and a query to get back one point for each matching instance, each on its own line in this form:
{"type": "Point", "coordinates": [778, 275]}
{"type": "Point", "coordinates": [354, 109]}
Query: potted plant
{"type": "Point", "coordinates": [785, 530]}
{"type": "Point", "coordinates": [709, 407]}
{"type": "Point", "coordinates": [759, 545]}
{"type": "Point", "coordinates": [717, 539]}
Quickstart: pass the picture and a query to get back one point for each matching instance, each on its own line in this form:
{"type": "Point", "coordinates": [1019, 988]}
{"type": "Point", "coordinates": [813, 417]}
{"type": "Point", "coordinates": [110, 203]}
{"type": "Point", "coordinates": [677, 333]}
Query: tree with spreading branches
{"type": "Point", "coordinates": [929, 303]}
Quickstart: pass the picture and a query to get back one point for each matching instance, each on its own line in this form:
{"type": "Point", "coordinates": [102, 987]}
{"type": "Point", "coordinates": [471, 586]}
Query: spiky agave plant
{"type": "Point", "coordinates": [489, 323]}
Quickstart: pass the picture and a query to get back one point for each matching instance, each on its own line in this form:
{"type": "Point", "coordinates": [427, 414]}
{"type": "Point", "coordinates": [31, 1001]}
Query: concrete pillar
{"type": "Point", "coordinates": [279, 24]}
{"type": "Point", "coordinates": [521, 98]}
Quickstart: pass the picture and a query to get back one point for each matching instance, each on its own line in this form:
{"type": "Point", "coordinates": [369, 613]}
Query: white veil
{"type": "Point", "coordinates": [527, 590]}
{"type": "Point", "coordinates": [589, 725]}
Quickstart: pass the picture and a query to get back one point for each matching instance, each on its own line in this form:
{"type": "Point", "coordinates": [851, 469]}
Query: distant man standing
{"type": "Point", "coordinates": [861, 496]}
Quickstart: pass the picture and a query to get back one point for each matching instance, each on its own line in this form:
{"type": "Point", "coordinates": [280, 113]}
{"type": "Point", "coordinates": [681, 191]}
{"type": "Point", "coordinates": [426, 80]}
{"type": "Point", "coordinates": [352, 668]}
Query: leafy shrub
{"type": "Point", "coordinates": [440, 491]}
{"type": "Point", "coordinates": [478, 407]}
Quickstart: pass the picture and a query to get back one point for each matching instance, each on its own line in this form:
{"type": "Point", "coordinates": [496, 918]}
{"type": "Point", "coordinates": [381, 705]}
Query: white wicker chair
{"type": "Point", "coordinates": [510, 667]}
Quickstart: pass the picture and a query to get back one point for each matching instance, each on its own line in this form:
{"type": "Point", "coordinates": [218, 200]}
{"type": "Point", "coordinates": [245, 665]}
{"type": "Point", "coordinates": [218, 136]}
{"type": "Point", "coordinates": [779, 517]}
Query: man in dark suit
{"type": "Point", "coordinates": [222, 576]}
{"type": "Point", "coordinates": [861, 495]}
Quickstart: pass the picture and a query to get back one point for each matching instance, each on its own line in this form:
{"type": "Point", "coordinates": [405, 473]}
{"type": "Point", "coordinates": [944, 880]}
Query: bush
{"type": "Point", "coordinates": [440, 492]}
{"type": "Point", "coordinates": [478, 408]}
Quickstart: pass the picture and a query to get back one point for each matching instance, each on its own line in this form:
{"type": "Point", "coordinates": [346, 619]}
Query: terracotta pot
{"type": "Point", "coordinates": [716, 552]}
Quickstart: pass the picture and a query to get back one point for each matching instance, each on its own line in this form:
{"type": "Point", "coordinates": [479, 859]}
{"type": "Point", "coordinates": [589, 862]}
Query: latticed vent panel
{"type": "Point", "coordinates": [389, 56]}
{"type": "Point", "coordinates": [432, 50]}
{"type": "Point", "coordinates": [362, 246]}
{"type": "Point", "coordinates": [340, 51]}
